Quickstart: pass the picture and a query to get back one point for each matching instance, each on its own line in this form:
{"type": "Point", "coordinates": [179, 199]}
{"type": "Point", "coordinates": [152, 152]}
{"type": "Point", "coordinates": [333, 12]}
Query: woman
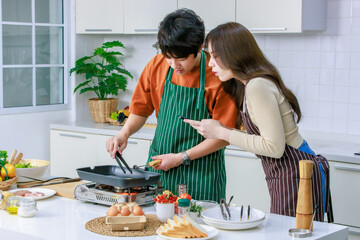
{"type": "Point", "coordinates": [267, 112]}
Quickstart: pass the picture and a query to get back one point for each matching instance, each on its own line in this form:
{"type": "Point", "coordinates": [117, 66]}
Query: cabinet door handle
{"type": "Point", "coordinates": [239, 154]}
{"type": "Point", "coordinates": [132, 142]}
{"type": "Point", "coordinates": [268, 29]}
{"type": "Point", "coordinates": [146, 30]}
{"type": "Point", "coordinates": [73, 136]}
{"type": "Point", "coordinates": [347, 168]}
{"type": "Point", "coordinates": [98, 30]}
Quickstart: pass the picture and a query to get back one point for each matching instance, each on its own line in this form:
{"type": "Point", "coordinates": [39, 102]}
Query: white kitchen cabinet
{"type": "Point", "coordinates": [136, 152]}
{"type": "Point", "coordinates": [99, 16]}
{"type": "Point", "coordinates": [262, 16]}
{"type": "Point", "coordinates": [71, 150]}
{"type": "Point", "coordinates": [212, 12]}
{"type": "Point", "coordinates": [345, 193]}
{"type": "Point", "coordinates": [246, 180]}
{"type": "Point", "coordinates": [103, 157]}
{"type": "Point", "coordinates": [144, 16]}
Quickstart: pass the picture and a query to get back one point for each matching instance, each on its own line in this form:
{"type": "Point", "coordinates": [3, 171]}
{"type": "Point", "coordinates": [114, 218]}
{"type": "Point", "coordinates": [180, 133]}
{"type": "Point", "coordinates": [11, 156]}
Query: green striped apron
{"type": "Point", "coordinates": [205, 176]}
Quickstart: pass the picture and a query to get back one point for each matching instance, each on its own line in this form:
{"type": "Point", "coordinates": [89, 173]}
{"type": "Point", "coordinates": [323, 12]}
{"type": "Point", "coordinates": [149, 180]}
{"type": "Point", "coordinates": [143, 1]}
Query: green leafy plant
{"type": "Point", "coordinates": [3, 157]}
{"type": "Point", "coordinates": [103, 71]}
{"type": "Point", "coordinates": [196, 208]}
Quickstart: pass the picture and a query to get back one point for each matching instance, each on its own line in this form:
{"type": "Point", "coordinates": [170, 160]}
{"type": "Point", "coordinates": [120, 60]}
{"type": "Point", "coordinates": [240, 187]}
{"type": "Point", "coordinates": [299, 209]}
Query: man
{"type": "Point", "coordinates": [193, 92]}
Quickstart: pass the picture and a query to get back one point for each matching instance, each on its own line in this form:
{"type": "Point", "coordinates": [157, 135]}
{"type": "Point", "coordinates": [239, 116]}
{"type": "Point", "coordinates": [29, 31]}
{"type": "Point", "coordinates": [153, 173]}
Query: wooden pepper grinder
{"type": "Point", "coordinates": [304, 208]}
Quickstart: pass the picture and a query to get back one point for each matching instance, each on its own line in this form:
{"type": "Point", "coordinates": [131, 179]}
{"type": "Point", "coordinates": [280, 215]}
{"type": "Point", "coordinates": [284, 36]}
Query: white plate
{"type": "Point", "coordinates": [214, 214]}
{"type": "Point", "coordinates": [48, 192]}
{"type": "Point", "coordinates": [213, 217]}
{"type": "Point", "coordinates": [233, 226]}
{"type": "Point", "coordinates": [210, 231]}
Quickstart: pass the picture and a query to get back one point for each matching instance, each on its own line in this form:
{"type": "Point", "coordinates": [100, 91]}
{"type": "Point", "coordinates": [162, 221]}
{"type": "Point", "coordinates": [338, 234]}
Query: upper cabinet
{"type": "Point", "coordinates": [213, 12]}
{"type": "Point", "coordinates": [144, 16]}
{"type": "Point", "coordinates": [277, 16]}
{"type": "Point", "coordinates": [99, 16]}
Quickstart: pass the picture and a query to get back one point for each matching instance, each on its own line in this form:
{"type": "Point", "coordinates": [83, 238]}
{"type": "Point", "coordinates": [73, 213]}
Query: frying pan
{"type": "Point", "coordinates": [114, 176]}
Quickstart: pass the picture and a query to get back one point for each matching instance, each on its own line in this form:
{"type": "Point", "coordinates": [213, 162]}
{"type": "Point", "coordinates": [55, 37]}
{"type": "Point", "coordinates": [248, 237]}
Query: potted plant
{"type": "Point", "coordinates": [105, 76]}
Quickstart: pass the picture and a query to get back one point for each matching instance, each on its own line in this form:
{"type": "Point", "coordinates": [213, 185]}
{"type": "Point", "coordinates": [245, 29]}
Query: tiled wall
{"type": "Point", "coordinates": [323, 69]}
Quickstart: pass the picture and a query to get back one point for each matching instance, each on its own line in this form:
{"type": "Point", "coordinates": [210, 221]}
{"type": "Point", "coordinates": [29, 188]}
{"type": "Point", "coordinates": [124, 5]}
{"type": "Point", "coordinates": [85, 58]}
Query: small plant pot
{"type": "Point", "coordinates": [101, 109]}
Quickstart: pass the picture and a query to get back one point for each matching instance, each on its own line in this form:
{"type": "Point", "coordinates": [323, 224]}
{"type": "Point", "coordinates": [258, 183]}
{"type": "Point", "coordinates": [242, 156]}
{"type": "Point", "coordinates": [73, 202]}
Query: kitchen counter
{"type": "Point", "coordinates": [64, 219]}
{"type": "Point", "coordinates": [334, 147]}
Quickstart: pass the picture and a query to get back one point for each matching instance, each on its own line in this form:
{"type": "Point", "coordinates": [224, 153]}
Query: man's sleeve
{"type": "Point", "coordinates": [225, 109]}
{"type": "Point", "coordinates": [141, 103]}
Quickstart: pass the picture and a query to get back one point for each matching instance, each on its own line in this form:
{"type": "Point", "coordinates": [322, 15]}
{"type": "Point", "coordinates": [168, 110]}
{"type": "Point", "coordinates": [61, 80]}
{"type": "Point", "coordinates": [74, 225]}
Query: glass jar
{"type": "Point", "coordinates": [12, 204]}
{"type": "Point", "coordinates": [182, 188]}
{"type": "Point", "coordinates": [27, 207]}
{"type": "Point", "coordinates": [183, 207]}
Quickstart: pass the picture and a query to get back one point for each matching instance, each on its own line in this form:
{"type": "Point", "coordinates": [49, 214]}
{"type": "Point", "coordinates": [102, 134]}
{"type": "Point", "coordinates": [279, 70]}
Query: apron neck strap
{"type": "Point", "coordinates": [200, 98]}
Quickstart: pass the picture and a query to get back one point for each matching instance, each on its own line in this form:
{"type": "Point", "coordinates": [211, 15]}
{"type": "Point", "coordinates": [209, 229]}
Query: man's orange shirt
{"type": "Point", "coordinates": [149, 89]}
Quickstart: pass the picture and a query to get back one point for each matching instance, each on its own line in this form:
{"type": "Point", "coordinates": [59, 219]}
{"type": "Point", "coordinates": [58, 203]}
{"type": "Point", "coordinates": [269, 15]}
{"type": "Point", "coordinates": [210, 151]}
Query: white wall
{"type": "Point", "coordinates": [323, 69]}
{"type": "Point", "coordinates": [29, 133]}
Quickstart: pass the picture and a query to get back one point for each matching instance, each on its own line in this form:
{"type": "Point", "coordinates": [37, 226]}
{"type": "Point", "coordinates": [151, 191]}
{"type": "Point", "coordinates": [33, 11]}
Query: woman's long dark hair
{"type": "Point", "coordinates": [238, 51]}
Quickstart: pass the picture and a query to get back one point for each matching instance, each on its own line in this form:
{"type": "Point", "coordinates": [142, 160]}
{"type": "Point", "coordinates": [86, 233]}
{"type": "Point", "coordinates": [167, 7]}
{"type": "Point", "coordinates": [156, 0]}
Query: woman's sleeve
{"type": "Point", "coordinates": [262, 98]}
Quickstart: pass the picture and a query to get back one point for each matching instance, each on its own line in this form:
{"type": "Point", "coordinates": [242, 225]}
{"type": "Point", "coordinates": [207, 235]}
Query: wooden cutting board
{"type": "Point", "coordinates": [64, 189]}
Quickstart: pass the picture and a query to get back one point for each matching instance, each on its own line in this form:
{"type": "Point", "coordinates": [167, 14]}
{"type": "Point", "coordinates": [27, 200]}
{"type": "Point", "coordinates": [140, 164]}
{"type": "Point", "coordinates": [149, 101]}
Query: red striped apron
{"type": "Point", "coordinates": [282, 177]}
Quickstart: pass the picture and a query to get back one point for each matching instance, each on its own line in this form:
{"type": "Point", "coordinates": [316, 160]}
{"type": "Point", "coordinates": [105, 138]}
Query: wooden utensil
{"type": "Point", "coordinates": [17, 159]}
{"type": "Point", "coordinates": [12, 156]}
{"type": "Point", "coordinates": [304, 208]}
{"type": "Point", "coordinates": [155, 163]}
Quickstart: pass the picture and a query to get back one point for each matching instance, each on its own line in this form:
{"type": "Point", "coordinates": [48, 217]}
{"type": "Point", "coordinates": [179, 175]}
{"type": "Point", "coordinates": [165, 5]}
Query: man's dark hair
{"type": "Point", "coordinates": [181, 33]}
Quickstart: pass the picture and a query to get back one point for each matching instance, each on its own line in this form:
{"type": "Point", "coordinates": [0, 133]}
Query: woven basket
{"type": "Point", "coordinates": [5, 185]}
{"type": "Point", "coordinates": [101, 109]}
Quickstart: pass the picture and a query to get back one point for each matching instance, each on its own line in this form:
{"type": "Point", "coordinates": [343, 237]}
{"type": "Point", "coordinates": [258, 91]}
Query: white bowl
{"type": "Point", "coordinates": [206, 204]}
{"type": "Point", "coordinates": [36, 172]}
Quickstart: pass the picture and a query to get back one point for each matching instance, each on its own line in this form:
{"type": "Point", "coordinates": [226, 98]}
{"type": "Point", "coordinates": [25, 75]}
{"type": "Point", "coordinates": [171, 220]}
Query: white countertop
{"type": "Point", "coordinates": [64, 219]}
{"type": "Point", "coordinates": [335, 147]}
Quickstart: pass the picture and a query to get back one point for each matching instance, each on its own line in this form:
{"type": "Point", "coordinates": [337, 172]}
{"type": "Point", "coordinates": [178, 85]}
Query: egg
{"type": "Point", "coordinates": [137, 211]}
{"type": "Point", "coordinates": [113, 211]}
{"type": "Point", "coordinates": [125, 211]}
{"type": "Point", "coordinates": [124, 207]}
